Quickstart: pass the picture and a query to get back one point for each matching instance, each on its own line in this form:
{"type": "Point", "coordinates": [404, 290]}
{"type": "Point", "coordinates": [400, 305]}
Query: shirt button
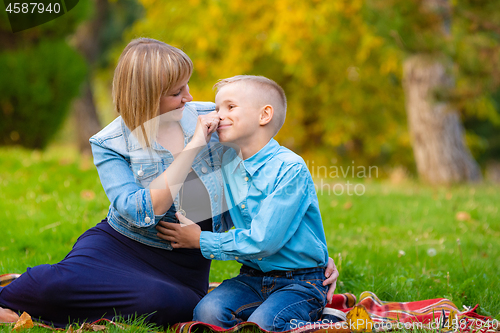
{"type": "Point", "coordinates": [242, 206]}
{"type": "Point", "coordinates": [246, 179]}
{"type": "Point", "coordinates": [147, 219]}
{"type": "Point", "coordinates": [236, 258]}
{"type": "Point", "coordinates": [204, 170]}
{"type": "Point", "coordinates": [140, 173]}
{"type": "Point", "coordinates": [216, 197]}
{"type": "Point", "coordinates": [212, 256]}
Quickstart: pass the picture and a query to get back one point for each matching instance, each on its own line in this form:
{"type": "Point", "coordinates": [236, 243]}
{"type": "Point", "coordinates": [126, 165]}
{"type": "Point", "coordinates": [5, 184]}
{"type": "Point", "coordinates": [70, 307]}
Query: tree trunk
{"type": "Point", "coordinates": [87, 41]}
{"type": "Point", "coordinates": [435, 126]}
{"type": "Point", "coordinates": [86, 119]}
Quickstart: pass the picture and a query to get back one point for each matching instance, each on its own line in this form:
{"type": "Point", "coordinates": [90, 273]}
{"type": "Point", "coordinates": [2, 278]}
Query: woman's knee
{"type": "Point", "coordinates": [171, 305]}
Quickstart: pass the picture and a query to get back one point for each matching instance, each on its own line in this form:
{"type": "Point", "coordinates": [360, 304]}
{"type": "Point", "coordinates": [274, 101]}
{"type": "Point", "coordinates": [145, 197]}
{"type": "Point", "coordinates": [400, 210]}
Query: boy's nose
{"type": "Point", "coordinates": [221, 114]}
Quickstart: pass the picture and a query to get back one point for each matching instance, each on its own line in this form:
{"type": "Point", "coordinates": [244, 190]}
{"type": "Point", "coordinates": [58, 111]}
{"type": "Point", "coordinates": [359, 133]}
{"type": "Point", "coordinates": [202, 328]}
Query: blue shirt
{"type": "Point", "coordinates": [274, 207]}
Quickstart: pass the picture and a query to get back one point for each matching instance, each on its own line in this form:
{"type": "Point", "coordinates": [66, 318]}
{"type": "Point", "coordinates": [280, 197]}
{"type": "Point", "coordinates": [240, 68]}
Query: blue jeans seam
{"type": "Point", "coordinates": [246, 306]}
{"type": "Point", "coordinates": [288, 306]}
{"type": "Point", "coordinates": [265, 290]}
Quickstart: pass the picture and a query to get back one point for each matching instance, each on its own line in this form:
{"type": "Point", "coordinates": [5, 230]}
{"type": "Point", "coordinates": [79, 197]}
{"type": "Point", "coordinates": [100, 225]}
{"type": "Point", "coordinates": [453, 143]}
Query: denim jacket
{"type": "Point", "coordinates": [126, 170]}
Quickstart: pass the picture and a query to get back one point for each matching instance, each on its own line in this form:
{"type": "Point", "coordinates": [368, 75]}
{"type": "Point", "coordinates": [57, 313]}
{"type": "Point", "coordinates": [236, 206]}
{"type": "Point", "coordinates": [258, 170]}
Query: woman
{"type": "Point", "coordinates": [157, 158]}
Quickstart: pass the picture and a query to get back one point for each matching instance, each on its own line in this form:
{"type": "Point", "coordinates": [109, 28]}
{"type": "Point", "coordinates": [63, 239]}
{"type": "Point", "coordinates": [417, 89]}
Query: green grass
{"type": "Point", "coordinates": [420, 222]}
{"type": "Point", "coordinates": [399, 241]}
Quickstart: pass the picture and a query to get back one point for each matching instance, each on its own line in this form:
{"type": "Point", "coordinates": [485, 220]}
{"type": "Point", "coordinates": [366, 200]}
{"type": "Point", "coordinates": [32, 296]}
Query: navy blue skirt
{"type": "Point", "coordinates": [106, 275]}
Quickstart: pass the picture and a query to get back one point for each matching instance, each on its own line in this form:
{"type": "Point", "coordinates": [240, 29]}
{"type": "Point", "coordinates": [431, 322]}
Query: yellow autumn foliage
{"type": "Point", "coordinates": [342, 79]}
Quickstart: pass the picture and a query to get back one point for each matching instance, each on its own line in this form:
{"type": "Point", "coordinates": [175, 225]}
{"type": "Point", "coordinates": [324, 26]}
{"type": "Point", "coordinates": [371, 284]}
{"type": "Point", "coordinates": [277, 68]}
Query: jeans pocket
{"type": "Point", "coordinates": [319, 289]}
{"type": "Point", "coordinates": [315, 314]}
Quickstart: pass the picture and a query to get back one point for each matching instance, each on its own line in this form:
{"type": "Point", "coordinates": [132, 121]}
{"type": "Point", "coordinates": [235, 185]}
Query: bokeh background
{"type": "Point", "coordinates": [411, 87]}
{"type": "Point", "coordinates": [394, 105]}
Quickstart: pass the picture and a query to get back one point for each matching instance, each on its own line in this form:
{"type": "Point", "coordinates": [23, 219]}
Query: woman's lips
{"type": "Point", "coordinates": [223, 126]}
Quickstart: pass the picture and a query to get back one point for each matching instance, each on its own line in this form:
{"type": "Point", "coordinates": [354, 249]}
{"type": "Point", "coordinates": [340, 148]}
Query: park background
{"type": "Point", "coordinates": [394, 105]}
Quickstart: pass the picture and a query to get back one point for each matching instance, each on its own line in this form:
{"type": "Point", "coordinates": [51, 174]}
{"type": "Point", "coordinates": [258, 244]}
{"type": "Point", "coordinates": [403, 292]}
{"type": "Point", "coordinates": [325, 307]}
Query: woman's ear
{"type": "Point", "coordinates": [266, 115]}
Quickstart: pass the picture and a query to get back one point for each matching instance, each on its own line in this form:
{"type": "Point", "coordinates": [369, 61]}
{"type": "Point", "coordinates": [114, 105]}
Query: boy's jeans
{"type": "Point", "coordinates": [276, 301]}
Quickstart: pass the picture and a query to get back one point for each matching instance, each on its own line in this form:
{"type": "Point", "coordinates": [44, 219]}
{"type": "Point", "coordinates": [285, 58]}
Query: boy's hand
{"type": "Point", "coordinates": [184, 235]}
{"type": "Point", "coordinates": [332, 275]}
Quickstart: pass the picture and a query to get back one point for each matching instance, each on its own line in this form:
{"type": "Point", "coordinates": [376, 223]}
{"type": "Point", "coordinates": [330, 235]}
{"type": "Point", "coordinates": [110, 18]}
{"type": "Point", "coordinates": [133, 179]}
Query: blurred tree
{"type": "Point", "coordinates": [451, 68]}
{"type": "Point", "coordinates": [86, 40]}
{"type": "Point", "coordinates": [94, 40]}
{"type": "Point", "coordinates": [340, 63]}
{"type": "Point", "coordinates": [437, 132]}
{"type": "Point", "coordinates": [343, 82]}
{"type": "Point", "coordinates": [41, 74]}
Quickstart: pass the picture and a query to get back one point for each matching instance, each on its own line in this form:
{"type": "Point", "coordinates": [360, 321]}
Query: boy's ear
{"type": "Point", "coordinates": [266, 115]}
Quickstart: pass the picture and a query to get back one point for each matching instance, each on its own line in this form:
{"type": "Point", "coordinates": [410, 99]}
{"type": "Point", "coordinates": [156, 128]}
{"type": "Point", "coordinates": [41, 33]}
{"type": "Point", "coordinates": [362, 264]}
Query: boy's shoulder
{"type": "Point", "coordinates": [284, 163]}
{"type": "Point", "coordinates": [287, 156]}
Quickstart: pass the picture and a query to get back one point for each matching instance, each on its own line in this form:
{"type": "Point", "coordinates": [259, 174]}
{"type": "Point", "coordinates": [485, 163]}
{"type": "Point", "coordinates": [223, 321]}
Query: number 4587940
{"type": "Point", "coordinates": [33, 7]}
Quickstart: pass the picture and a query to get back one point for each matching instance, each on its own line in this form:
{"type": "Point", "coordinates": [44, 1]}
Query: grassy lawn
{"type": "Point", "coordinates": [398, 241]}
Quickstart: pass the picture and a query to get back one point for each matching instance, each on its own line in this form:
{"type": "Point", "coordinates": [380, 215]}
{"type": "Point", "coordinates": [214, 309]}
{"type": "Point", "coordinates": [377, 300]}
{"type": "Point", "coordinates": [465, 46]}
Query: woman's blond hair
{"type": "Point", "coordinates": [146, 70]}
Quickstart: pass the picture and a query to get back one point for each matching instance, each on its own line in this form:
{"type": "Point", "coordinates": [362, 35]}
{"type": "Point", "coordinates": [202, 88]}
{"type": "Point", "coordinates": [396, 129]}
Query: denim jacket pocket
{"type": "Point", "coordinates": [145, 171]}
{"type": "Point", "coordinates": [214, 163]}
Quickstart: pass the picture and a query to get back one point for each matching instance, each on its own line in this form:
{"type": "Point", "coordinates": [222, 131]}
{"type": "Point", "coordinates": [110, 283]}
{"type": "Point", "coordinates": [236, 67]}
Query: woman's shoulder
{"type": "Point", "coordinates": [111, 131]}
{"type": "Point", "coordinates": [201, 107]}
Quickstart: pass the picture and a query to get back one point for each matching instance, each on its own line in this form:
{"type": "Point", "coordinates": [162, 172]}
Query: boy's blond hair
{"type": "Point", "coordinates": [146, 70]}
{"type": "Point", "coordinates": [270, 93]}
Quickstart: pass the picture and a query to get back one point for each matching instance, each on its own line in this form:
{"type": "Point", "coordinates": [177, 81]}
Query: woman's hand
{"type": "Point", "coordinates": [206, 125]}
{"type": "Point", "coordinates": [332, 274]}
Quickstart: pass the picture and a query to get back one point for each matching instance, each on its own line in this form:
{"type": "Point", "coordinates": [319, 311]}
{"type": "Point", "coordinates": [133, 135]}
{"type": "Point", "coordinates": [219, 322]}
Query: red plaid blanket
{"type": "Point", "coordinates": [436, 315]}
{"type": "Point", "coordinates": [5, 279]}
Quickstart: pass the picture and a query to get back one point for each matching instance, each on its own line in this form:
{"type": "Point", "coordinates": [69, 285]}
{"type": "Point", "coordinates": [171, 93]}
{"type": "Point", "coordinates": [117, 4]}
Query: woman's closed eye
{"type": "Point", "coordinates": [180, 90]}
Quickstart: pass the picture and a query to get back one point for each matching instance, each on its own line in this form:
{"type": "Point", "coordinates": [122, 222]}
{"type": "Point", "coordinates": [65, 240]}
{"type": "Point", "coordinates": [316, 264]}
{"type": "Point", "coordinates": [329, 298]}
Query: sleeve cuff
{"type": "Point", "coordinates": [145, 213]}
{"type": "Point", "coordinates": [210, 245]}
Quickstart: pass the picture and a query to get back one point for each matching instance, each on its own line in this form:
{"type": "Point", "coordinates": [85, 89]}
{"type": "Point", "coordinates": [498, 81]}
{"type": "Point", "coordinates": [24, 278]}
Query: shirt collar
{"type": "Point", "coordinates": [256, 161]}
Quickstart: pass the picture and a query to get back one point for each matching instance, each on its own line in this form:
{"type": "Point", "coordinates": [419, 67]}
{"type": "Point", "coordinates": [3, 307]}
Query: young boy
{"type": "Point", "coordinates": [278, 235]}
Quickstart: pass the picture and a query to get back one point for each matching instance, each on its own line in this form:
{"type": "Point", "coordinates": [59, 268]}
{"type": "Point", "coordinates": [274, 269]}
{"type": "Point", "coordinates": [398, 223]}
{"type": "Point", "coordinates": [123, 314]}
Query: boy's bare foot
{"type": "Point", "coordinates": [8, 316]}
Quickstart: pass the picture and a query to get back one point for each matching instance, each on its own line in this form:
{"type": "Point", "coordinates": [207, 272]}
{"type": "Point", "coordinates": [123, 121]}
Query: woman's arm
{"type": "Point", "coordinates": [133, 202]}
{"type": "Point", "coordinates": [130, 200]}
{"type": "Point", "coordinates": [165, 187]}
